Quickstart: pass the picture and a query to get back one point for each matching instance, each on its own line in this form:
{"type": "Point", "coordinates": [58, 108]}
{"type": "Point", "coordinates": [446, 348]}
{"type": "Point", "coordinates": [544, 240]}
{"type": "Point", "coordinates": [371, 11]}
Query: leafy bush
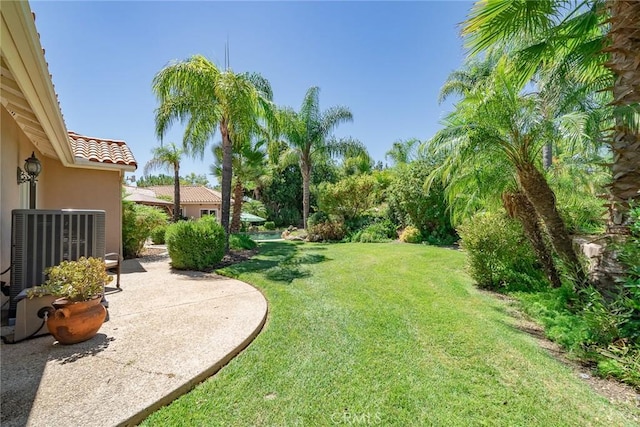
{"type": "Point", "coordinates": [326, 232]}
{"type": "Point", "coordinates": [137, 223]}
{"type": "Point", "coordinates": [411, 204]}
{"type": "Point", "coordinates": [78, 280]}
{"type": "Point", "coordinates": [576, 191]}
{"type": "Point", "coordinates": [629, 256]}
{"type": "Point", "coordinates": [411, 235]}
{"type": "Point", "coordinates": [499, 255]}
{"type": "Point", "coordinates": [269, 225]}
{"type": "Point", "coordinates": [381, 231]}
{"type": "Point", "coordinates": [195, 245]}
{"type": "Point", "coordinates": [317, 217]}
{"type": "Point", "coordinates": [158, 234]}
{"type": "Point", "coordinates": [603, 331]}
{"type": "Point", "coordinates": [621, 361]}
{"type": "Point", "coordinates": [589, 327]}
{"type": "Point", "coordinates": [282, 197]}
{"type": "Point", "coordinates": [241, 241]}
{"type": "Point", "coordinates": [288, 216]}
{"type": "Point", "coordinates": [348, 198]}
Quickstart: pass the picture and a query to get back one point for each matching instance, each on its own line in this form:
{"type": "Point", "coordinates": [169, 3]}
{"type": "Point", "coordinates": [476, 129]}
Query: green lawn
{"type": "Point", "coordinates": [384, 334]}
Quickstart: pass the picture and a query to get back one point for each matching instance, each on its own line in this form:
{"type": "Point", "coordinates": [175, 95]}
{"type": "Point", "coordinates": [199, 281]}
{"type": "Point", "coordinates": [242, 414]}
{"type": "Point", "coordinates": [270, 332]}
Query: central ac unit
{"type": "Point", "coordinates": [43, 238]}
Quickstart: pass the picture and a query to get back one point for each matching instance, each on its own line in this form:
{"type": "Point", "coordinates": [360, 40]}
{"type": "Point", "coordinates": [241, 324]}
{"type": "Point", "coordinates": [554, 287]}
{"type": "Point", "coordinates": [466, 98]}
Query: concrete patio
{"type": "Point", "coordinates": [167, 331]}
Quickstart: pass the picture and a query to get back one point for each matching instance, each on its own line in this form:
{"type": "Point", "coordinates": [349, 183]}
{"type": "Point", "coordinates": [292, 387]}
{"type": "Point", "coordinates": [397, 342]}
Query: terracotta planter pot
{"type": "Point", "coordinates": [74, 322]}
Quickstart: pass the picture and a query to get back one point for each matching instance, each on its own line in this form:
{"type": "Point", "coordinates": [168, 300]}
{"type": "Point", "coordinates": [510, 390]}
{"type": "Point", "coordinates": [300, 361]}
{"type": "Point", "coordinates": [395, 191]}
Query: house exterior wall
{"type": "Point", "coordinates": [74, 188]}
{"type": "Point", "coordinates": [15, 147]}
{"type": "Point", "coordinates": [193, 210]}
{"type": "Point", "coordinates": [58, 187]}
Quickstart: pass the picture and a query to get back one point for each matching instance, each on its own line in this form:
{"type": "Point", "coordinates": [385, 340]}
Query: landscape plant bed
{"type": "Point", "coordinates": [386, 334]}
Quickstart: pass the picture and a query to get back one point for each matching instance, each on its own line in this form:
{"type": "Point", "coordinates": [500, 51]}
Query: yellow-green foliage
{"type": "Point", "coordinates": [411, 235]}
{"type": "Point", "coordinates": [78, 280]}
{"type": "Point", "coordinates": [326, 232]}
{"type": "Point", "coordinates": [349, 197]}
{"type": "Point", "coordinates": [499, 254]}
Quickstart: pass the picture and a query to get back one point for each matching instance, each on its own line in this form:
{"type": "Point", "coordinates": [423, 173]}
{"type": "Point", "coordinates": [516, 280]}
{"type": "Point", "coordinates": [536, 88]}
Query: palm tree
{"type": "Point", "coordinates": [558, 37]}
{"type": "Point", "coordinates": [193, 179]}
{"type": "Point", "coordinates": [502, 125]}
{"type": "Point", "coordinates": [357, 164]}
{"type": "Point", "coordinates": [248, 168]}
{"type": "Point", "coordinates": [308, 133]}
{"type": "Point", "coordinates": [168, 158]}
{"type": "Point", "coordinates": [196, 92]}
{"type": "Point", "coordinates": [403, 151]}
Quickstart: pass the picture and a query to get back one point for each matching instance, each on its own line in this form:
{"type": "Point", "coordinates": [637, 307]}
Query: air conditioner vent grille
{"type": "Point", "coordinates": [43, 238]}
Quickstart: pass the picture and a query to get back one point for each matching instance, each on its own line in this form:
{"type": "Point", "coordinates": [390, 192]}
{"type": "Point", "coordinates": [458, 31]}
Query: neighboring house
{"type": "Point", "coordinates": [78, 172]}
{"type": "Point", "coordinates": [144, 196]}
{"type": "Point", "coordinates": [195, 200]}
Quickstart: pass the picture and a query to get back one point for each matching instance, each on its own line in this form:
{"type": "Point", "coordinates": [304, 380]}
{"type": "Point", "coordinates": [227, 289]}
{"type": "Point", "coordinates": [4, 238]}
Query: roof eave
{"type": "Point", "coordinates": [21, 46]}
{"type": "Point", "coordinates": [88, 164]}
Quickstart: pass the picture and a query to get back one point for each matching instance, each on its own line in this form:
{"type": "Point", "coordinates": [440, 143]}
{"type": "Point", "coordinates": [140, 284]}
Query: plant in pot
{"type": "Point", "coordinates": [78, 286]}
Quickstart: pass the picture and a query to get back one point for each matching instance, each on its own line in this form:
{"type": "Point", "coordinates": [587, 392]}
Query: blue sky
{"type": "Point", "coordinates": [386, 61]}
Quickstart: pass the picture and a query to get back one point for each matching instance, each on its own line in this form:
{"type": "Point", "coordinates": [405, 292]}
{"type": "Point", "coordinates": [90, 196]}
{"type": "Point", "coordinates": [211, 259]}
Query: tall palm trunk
{"type": "Point", "coordinates": [305, 169]}
{"type": "Point", "coordinates": [227, 171]}
{"type": "Point", "coordinates": [537, 190]}
{"type": "Point", "coordinates": [624, 38]}
{"type": "Point", "coordinates": [520, 208]}
{"type": "Point", "coordinates": [547, 155]}
{"type": "Point", "coordinates": [237, 206]}
{"type": "Point", "coordinates": [176, 193]}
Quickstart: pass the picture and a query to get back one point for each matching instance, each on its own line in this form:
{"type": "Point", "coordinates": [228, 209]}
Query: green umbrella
{"type": "Point", "coordinates": [247, 217]}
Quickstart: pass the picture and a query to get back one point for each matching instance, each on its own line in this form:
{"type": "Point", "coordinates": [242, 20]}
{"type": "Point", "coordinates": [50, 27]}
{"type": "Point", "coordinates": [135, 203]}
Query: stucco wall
{"type": "Point", "coordinates": [14, 148]}
{"type": "Point", "coordinates": [58, 187]}
{"type": "Point", "coordinates": [73, 188]}
{"type": "Point", "coordinates": [194, 210]}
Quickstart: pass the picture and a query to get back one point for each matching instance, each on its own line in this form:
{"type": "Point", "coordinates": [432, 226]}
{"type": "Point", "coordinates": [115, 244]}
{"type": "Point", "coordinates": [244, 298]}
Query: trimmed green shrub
{"type": "Point", "coordinates": [239, 242]}
{"type": "Point", "coordinates": [381, 231]}
{"type": "Point", "coordinates": [411, 235]}
{"type": "Point", "coordinates": [500, 256]}
{"type": "Point", "coordinates": [326, 232]}
{"type": "Point", "coordinates": [195, 245]}
{"type": "Point", "coordinates": [157, 234]}
{"type": "Point", "coordinates": [269, 225]}
{"type": "Point", "coordinates": [137, 223]}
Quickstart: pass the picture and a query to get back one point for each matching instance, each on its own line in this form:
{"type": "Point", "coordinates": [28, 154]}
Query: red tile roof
{"type": "Point", "coordinates": [189, 193]}
{"type": "Point", "coordinates": [101, 150]}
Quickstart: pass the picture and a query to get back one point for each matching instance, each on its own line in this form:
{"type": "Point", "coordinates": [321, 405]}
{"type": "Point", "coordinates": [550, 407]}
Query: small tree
{"type": "Point", "coordinates": [411, 203]}
{"type": "Point", "coordinates": [168, 157]}
{"type": "Point", "coordinates": [349, 197]}
{"type": "Point", "coordinates": [138, 221]}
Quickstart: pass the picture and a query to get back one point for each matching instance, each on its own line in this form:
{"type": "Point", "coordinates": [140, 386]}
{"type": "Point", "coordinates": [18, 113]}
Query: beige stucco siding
{"type": "Point", "coordinates": [193, 210]}
{"type": "Point", "coordinates": [58, 187]}
{"type": "Point", "coordinates": [73, 188]}
{"type": "Point", "coordinates": [13, 148]}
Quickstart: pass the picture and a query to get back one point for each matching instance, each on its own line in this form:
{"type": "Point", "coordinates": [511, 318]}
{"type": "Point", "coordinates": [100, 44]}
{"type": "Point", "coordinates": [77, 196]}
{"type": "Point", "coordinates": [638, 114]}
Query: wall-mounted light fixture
{"type": "Point", "coordinates": [32, 168]}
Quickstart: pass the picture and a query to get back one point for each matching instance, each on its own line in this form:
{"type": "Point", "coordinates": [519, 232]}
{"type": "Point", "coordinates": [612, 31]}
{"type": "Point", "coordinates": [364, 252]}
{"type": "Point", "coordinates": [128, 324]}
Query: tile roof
{"type": "Point", "coordinates": [189, 193]}
{"type": "Point", "coordinates": [101, 150]}
{"type": "Point", "coordinates": [144, 196]}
